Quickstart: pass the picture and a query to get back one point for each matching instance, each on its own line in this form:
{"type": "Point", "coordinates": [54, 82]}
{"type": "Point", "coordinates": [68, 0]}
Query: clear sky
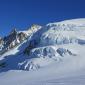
{"type": "Point", "coordinates": [23, 13]}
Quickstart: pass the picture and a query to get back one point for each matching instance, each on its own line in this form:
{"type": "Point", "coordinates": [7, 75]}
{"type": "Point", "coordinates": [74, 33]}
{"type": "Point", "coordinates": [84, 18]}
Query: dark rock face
{"type": "Point", "coordinates": [1, 41]}
{"type": "Point", "coordinates": [32, 44]}
{"type": "Point", "coordinates": [63, 51]}
{"type": "Point", "coordinates": [13, 39]}
{"type": "Point", "coordinates": [22, 36]}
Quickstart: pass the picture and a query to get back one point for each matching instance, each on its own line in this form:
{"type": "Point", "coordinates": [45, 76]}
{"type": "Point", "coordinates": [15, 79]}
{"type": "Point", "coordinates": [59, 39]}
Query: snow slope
{"type": "Point", "coordinates": [55, 56]}
{"type": "Point", "coordinates": [70, 71]}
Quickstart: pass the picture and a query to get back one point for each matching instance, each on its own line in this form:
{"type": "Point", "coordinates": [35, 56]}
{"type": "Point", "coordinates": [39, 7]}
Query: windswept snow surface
{"type": "Point", "coordinates": [58, 59]}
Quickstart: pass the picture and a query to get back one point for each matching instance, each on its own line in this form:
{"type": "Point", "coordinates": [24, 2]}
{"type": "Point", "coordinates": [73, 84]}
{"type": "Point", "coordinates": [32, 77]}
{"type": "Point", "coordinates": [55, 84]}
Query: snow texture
{"type": "Point", "coordinates": [55, 55]}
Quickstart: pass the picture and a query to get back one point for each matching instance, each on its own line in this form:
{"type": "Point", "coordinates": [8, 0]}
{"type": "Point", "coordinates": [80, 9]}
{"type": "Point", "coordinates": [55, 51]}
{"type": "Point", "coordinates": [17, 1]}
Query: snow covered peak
{"type": "Point", "coordinates": [80, 21]}
{"type": "Point", "coordinates": [34, 28]}
{"type": "Point", "coordinates": [69, 25]}
{"type": "Point", "coordinates": [75, 21]}
{"type": "Point", "coordinates": [56, 49]}
{"type": "Point", "coordinates": [16, 37]}
{"type": "Point", "coordinates": [47, 44]}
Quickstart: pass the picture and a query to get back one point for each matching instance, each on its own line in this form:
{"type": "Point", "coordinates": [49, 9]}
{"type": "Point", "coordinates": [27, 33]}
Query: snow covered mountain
{"type": "Point", "coordinates": [15, 38]}
{"type": "Point", "coordinates": [48, 52]}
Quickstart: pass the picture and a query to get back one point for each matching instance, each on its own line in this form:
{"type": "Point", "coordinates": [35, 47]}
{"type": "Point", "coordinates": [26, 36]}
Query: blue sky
{"type": "Point", "coordinates": [21, 14]}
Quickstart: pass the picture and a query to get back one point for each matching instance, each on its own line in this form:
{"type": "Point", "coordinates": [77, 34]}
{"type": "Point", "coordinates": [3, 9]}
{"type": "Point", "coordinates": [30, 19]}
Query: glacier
{"type": "Point", "coordinates": [48, 55]}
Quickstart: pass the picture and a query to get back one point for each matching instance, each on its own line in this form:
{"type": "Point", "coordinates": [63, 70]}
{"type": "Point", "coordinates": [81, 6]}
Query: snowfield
{"type": "Point", "coordinates": [55, 56]}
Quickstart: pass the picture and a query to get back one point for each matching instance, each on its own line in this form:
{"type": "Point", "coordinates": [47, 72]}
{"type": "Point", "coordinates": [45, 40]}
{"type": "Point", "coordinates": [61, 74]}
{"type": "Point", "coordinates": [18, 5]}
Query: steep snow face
{"type": "Point", "coordinates": [65, 32]}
